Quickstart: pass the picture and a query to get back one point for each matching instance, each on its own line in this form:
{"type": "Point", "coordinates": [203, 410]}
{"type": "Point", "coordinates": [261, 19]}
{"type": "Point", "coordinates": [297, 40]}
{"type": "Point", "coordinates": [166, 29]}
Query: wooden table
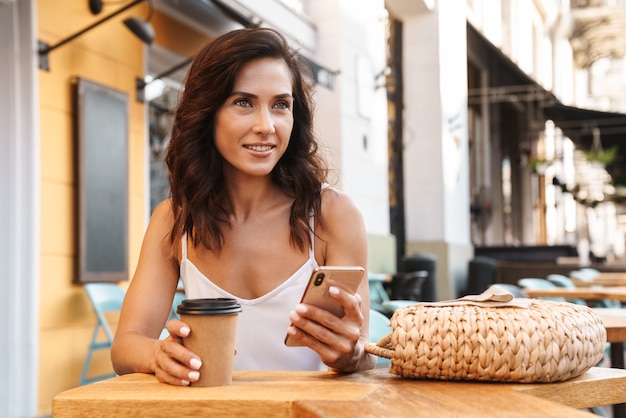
{"type": "Point", "coordinates": [374, 393]}
{"type": "Point", "coordinates": [614, 321]}
{"type": "Point", "coordinates": [603, 279]}
{"type": "Point", "coordinates": [587, 293]}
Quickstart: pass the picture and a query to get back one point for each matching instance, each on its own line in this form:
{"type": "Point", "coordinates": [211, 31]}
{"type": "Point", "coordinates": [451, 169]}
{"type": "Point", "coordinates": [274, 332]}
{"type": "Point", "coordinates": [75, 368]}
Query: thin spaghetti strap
{"type": "Point", "coordinates": [312, 233]}
{"type": "Point", "coordinates": [184, 246]}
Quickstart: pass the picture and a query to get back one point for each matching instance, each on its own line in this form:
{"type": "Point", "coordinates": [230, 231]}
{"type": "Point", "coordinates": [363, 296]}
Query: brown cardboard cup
{"type": "Point", "coordinates": [213, 324]}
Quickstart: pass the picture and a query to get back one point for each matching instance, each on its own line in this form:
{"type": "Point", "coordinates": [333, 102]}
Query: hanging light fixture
{"type": "Point", "coordinates": [141, 83]}
{"type": "Point", "coordinates": [140, 27]}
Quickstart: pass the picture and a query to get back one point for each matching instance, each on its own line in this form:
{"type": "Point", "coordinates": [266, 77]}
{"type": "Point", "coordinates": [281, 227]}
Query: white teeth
{"type": "Point", "coordinates": [259, 148]}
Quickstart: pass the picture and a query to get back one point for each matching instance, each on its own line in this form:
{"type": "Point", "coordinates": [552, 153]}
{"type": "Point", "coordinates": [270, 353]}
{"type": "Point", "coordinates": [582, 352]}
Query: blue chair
{"type": "Point", "coordinates": [104, 298]}
{"type": "Point", "coordinates": [584, 274]}
{"type": "Point", "coordinates": [178, 298]}
{"type": "Point", "coordinates": [564, 281]}
{"type": "Point", "coordinates": [379, 327]}
{"type": "Point", "coordinates": [561, 280]}
{"type": "Point", "coordinates": [379, 298]}
{"type": "Point", "coordinates": [537, 283]}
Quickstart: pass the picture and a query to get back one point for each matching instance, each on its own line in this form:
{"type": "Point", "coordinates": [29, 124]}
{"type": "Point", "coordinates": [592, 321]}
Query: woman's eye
{"type": "Point", "coordinates": [282, 105]}
{"type": "Point", "coordinates": [242, 103]}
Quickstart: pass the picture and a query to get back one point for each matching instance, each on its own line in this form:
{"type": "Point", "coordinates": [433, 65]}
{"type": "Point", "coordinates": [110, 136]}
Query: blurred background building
{"type": "Point", "coordinates": [455, 125]}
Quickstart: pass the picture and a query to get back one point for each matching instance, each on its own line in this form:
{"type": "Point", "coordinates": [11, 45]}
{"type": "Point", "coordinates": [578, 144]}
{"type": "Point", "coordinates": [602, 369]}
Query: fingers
{"type": "Point", "coordinates": [173, 363]}
{"type": "Point", "coordinates": [178, 328]}
{"type": "Point", "coordinates": [331, 337]}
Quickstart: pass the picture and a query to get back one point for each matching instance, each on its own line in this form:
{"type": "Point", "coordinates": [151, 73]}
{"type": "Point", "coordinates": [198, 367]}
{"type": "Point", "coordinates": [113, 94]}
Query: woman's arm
{"type": "Point", "coordinates": [148, 302]}
{"type": "Point", "coordinates": [339, 341]}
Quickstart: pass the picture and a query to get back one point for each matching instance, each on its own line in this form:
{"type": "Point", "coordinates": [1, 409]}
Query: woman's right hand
{"type": "Point", "coordinates": [172, 362]}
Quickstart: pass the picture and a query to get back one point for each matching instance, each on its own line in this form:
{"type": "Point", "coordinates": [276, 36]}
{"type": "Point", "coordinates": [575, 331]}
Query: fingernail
{"type": "Point", "coordinates": [301, 309]}
{"type": "Point", "coordinates": [185, 382]}
{"type": "Point", "coordinates": [294, 316]}
{"type": "Point", "coordinates": [291, 331]}
{"type": "Point", "coordinates": [193, 376]}
{"type": "Point", "coordinates": [185, 331]}
{"type": "Point", "coordinates": [333, 290]}
{"type": "Point", "coordinates": [195, 363]}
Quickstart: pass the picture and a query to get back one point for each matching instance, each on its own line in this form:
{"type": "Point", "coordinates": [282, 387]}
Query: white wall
{"type": "Point", "coordinates": [351, 38]}
{"type": "Point", "coordinates": [19, 210]}
{"type": "Point", "coordinates": [435, 135]}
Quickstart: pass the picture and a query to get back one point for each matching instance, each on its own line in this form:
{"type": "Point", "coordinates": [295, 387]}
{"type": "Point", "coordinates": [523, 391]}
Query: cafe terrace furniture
{"type": "Point", "coordinates": [379, 327]}
{"type": "Point", "coordinates": [614, 320]}
{"type": "Point", "coordinates": [603, 279]}
{"type": "Point", "coordinates": [105, 298]}
{"type": "Point", "coordinates": [561, 280]}
{"type": "Point", "coordinates": [512, 271]}
{"type": "Point", "coordinates": [372, 393]}
{"type": "Point", "coordinates": [587, 293]}
{"type": "Point", "coordinates": [379, 298]}
{"type": "Point", "coordinates": [527, 283]}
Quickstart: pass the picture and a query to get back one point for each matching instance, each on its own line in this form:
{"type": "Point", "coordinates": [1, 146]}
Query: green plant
{"type": "Point", "coordinates": [539, 164]}
{"type": "Point", "coordinates": [603, 157]}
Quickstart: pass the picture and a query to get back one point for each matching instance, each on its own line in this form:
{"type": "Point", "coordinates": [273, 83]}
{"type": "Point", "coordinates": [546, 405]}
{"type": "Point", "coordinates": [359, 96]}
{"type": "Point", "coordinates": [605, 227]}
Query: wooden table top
{"type": "Point", "coordinates": [603, 279]}
{"type": "Point", "coordinates": [614, 320]}
{"type": "Point", "coordinates": [374, 393]}
{"type": "Point", "coordinates": [588, 293]}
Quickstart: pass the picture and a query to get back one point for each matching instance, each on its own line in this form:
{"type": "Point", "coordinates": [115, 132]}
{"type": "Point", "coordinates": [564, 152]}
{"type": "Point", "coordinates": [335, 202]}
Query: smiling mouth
{"type": "Point", "coordinates": [259, 148]}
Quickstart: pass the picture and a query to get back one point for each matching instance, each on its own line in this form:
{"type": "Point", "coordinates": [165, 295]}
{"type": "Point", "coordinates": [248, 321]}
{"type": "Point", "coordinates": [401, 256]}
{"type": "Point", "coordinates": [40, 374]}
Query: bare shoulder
{"type": "Point", "coordinates": [163, 211]}
{"type": "Point", "coordinates": [162, 217]}
{"type": "Point", "coordinates": [160, 226]}
{"type": "Point", "coordinates": [342, 235]}
{"type": "Point", "coordinates": [339, 211]}
{"type": "Point", "coordinates": [335, 199]}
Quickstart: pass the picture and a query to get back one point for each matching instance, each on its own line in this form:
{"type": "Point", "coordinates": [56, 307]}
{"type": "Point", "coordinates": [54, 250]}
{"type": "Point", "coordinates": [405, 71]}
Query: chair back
{"type": "Point", "coordinates": [515, 290]}
{"type": "Point", "coordinates": [178, 298]}
{"type": "Point", "coordinates": [105, 297]}
{"type": "Point", "coordinates": [585, 275]}
{"type": "Point", "coordinates": [537, 283]}
{"type": "Point", "coordinates": [379, 327]}
{"type": "Point", "coordinates": [408, 286]}
{"type": "Point", "coordinates": [561, 280]}
{"type": "Point", "coordinates": [378, 294]}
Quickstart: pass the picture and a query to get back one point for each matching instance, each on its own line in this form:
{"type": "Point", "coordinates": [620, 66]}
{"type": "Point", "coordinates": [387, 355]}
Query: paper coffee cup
{"type": "Point", "coordinates": [213, 325]}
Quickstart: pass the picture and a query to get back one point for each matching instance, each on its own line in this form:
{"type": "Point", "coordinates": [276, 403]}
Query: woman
{"type": "Point", "coordinates": [250, 217]}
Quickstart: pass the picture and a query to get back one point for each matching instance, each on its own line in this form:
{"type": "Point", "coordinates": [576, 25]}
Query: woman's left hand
{"type": "Point", "coordinates": [336, 340]}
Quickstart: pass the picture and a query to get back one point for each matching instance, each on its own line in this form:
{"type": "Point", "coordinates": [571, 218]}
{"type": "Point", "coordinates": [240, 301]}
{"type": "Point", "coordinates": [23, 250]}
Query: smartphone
{"type": "Point", "coordinates": [316, 292]}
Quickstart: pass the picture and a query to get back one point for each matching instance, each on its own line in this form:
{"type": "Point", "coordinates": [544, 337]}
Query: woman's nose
{"type": "Point", "coordinates": [264, 123]}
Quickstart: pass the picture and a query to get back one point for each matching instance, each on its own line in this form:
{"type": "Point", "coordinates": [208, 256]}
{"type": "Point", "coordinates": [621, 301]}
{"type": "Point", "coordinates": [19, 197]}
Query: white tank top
{"type": "Point", "coordinates": [263, 322]}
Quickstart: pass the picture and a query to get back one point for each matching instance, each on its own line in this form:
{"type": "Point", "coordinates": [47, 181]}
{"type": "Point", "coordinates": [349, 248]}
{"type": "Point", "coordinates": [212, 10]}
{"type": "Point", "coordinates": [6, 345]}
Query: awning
{"type": "Point", "coordinates": [509, 83]}
{"type": "Point", "coordinates": [580, 125]}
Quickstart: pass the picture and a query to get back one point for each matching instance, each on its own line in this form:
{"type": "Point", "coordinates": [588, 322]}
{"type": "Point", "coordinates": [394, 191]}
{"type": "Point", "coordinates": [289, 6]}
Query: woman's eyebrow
{"type": "Point", "coordinates": [254, 96]}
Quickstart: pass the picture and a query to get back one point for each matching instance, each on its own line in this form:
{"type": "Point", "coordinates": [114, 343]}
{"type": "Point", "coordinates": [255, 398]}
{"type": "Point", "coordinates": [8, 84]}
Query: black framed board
{"type": "Point", "coordinates": [101, 144]}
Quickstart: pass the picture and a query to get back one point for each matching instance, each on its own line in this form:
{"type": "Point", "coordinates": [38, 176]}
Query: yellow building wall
{"type": "Point", "coordinates": [111, 55]}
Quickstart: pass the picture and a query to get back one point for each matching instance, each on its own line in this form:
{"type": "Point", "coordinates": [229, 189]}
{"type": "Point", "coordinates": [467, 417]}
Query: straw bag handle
{"type": "Point", "coordinates": [381, 348]}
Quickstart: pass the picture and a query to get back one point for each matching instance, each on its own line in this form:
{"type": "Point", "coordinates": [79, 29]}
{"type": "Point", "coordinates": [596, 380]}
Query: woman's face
{"type": "Point", "coordinates": [253, 125]}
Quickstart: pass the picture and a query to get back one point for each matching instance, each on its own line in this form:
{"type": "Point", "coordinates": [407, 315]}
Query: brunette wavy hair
{"type": "Point", "coordinates": [199, 199]}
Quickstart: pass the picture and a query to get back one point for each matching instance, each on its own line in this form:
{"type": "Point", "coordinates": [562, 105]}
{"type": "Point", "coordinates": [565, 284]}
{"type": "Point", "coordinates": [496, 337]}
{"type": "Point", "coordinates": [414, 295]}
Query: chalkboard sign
{"type": "Point", "coordinates": [101, 143]}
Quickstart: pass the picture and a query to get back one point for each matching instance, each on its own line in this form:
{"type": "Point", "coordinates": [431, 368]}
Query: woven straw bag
{"type": "Point", "coordinates": [493, 337]}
